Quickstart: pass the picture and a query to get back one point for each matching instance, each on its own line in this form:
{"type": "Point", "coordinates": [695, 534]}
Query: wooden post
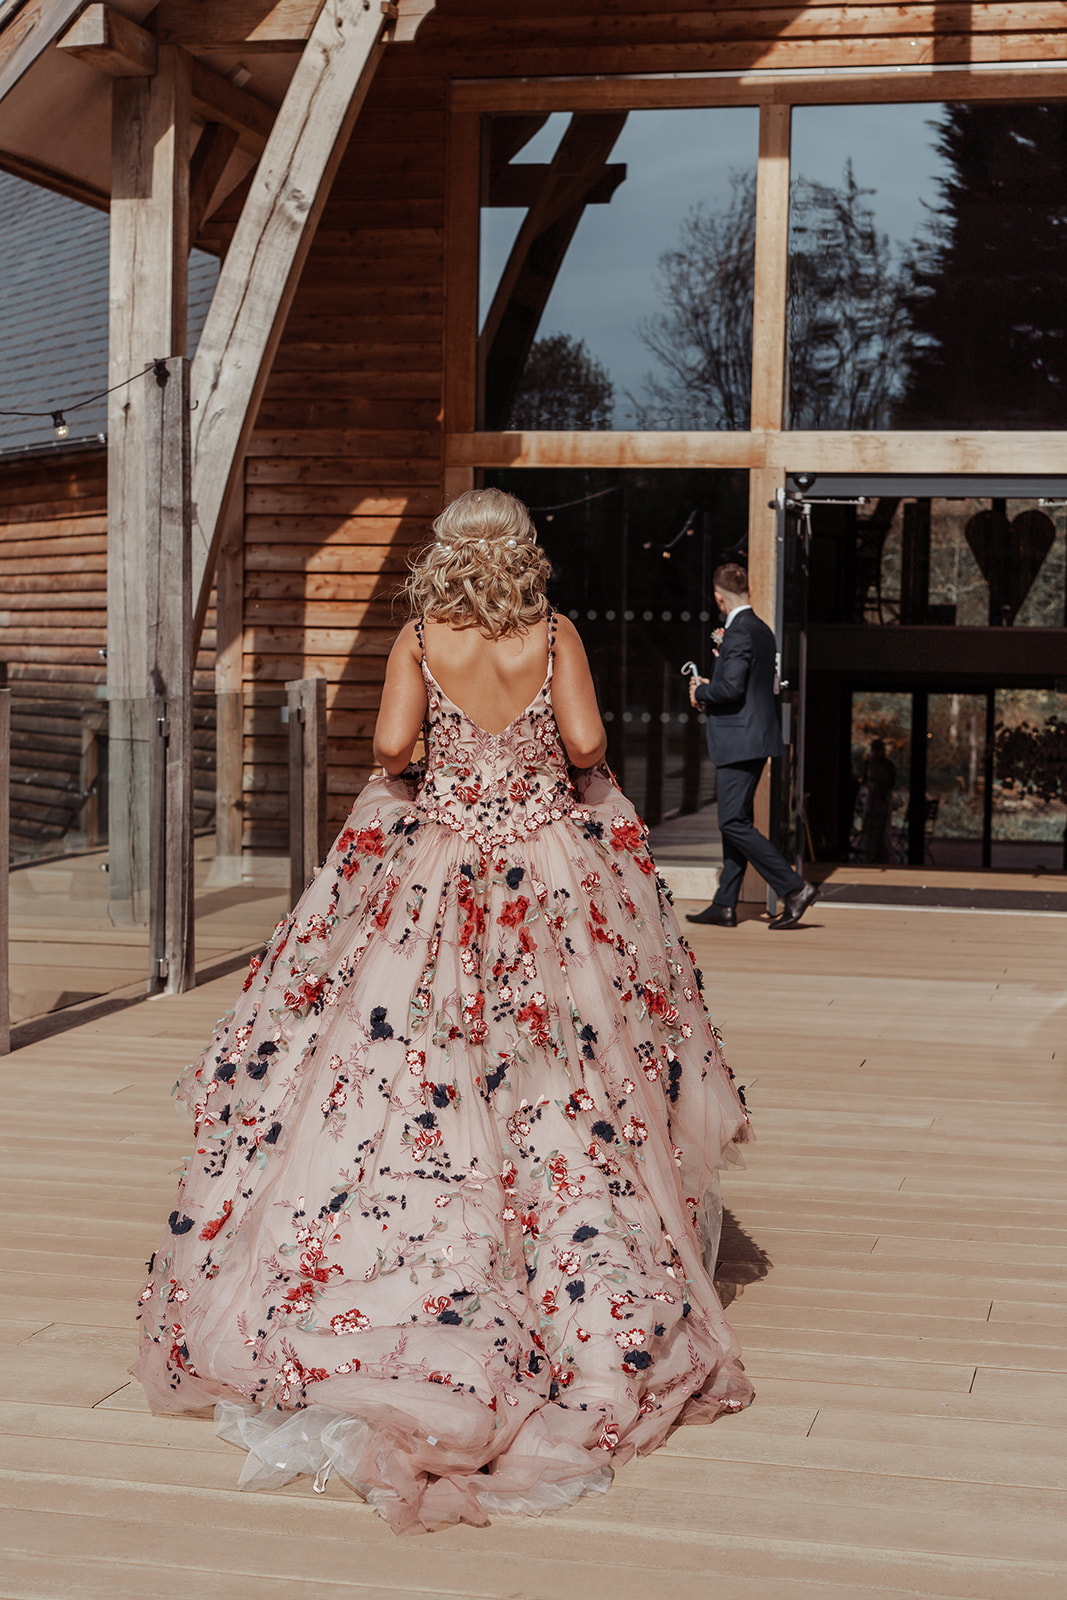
{"type": "Point", "coordinates": [307, 780]}
{"type": "Point", "coordinates": [149, 256]}
{"type": "Point", "coordinates": [771, 276]}
{"type": "Point", "coordinates": [5, 860]}
{"type": "Point", "coordinates": [229, 697]}
{"type": "Point", "coordinates": [168, 537]}
{"type": "Point", "coordinates": [461, 286]}
{"type": "Point", "coordinates": [769, 390]}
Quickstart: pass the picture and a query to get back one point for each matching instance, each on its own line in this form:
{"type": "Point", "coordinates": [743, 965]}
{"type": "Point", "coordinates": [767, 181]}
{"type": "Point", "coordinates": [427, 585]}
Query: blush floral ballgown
{"type": "Point", "coordinates": [447, 1224]}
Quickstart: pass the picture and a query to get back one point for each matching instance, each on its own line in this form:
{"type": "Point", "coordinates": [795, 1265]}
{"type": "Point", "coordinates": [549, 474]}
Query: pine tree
{"type": "Point", "coordinates": [989, 296]}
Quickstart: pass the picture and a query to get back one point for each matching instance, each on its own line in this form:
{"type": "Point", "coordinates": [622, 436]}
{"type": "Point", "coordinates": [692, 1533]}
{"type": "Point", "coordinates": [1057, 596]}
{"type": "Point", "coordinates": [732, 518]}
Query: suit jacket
{"type": "Point", "coordinates": [739, 700]}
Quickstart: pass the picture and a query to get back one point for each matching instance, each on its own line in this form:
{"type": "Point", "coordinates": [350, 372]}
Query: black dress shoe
{"type": "Point", "coordinates": [795, 906]}
{"type": "Point", "coordinates": [718, 916]}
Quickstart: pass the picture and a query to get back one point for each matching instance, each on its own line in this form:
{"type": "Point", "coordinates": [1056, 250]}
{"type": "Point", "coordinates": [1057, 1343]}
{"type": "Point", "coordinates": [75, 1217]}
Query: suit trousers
{"type": "Point", "coordinates": [742, 843]}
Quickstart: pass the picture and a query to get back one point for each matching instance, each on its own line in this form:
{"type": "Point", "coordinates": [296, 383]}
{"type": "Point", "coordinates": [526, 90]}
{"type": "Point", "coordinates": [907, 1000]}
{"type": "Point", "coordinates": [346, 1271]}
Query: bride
{"type": "Point", "coordinates": [449, 1220]}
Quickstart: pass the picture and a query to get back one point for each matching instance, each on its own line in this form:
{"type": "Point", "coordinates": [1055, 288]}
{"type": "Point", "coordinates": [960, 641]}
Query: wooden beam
{"type": "Point", "coordinates": [615, 449]}
{"type": "Point", "coordinates": [252, 25]}
{"type": "Point", "coordinates": [617, 28]}
{"type": "Point", "coordinates": [948, 453]}
{"type": "Point", "coordinates": [525, 57]}
{"type": "Point", "coordinates": [209, 160]}
{"type": "Point", "coordinates": [264, 261]}
{"type": "Point", "coordinates": [648, 91]}
{"type": "Point", "coordinates": [216, 99]}
{"type": "Point", "coordinates": [28, 34]}
{"type": "Point", "coordinates": [461, 273]}
{"type": "Point", "coordinates": [770, 287]}
{"type": "Point", "coordinates": [109, 41]}
{"type": "Point", "coordinates": [49, 178]}
{"type": "Point", "coordinates": [523, 183]}
{"type": "Point", "coordinates": [405, 18]}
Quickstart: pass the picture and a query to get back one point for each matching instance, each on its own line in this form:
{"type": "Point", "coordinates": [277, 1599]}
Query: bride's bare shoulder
{"type": "Point", "coordinates": [568, 639]}
{"type": "Point", "coordinates": [407, 642]}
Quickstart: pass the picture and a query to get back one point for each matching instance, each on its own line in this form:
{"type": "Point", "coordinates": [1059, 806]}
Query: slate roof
{"type": "Point", "coordinates": [54, 313]}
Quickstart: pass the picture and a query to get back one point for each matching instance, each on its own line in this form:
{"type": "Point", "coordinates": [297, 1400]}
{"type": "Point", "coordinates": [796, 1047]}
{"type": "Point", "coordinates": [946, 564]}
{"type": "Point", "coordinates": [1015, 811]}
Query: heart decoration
{"type": "Point", "coordinates": [1010, 554]}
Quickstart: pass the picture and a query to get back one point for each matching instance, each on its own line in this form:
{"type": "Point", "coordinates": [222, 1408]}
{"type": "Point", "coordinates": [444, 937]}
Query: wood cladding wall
{"type": "Point", "coordinates": [344, 473]}
{"type": "Point", "coordinates": [53, 628]}
{"type": "Point", "coordinates": [345, 468]}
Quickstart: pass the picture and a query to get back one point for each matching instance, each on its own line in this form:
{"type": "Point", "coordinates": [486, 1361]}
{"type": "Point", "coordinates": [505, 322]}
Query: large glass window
{"type": "Point", "coordinates": [969, 563]}
{"type": "Point", "coordinates": [985, 785]}
{"type": "Point", "coordinates": [633, 555]}
{"type": "Point", "coordinates": [1029, 800]}
{"type": "Point", "coordinates": [616, 270]}
{"type": "Point", "coordinates": [928, 277]}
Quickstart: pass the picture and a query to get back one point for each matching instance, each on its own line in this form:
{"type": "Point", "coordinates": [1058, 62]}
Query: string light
{"type": "Point", "coordinates": [565, 505]}
{"type": "Point", "coordinates": [58, 418]}
{"type": "Point", "coordinates": [688, 527]}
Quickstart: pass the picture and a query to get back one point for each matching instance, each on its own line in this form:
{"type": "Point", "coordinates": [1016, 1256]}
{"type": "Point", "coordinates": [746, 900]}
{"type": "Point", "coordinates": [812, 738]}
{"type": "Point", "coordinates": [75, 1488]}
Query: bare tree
{"type": "Point", "coordinates": [703, 338]}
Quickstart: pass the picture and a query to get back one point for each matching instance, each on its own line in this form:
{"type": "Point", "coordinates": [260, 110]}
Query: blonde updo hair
{"type": "Point", "coordinates": [484, 570]}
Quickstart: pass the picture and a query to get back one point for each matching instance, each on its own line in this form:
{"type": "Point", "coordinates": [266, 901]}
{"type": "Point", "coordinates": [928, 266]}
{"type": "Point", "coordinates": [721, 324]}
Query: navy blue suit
{"type": "Point", "coordinates": [742, 732]}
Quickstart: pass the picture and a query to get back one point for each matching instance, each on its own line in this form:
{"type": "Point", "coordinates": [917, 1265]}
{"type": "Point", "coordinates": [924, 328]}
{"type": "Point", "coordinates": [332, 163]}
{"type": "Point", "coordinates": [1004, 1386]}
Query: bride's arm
{"type": "Point", "coordinates": [574, 699]}
{"type": "Point", "coordinates": [403, 704]}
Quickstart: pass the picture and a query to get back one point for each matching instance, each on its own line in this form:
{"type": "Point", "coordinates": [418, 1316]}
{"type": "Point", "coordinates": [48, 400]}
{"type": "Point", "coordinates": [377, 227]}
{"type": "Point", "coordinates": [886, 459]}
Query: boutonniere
{"type": "Point", "coordinates": [717, 637]}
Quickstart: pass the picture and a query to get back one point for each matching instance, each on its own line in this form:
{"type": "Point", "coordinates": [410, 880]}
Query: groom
{"type": "Point", "coordinates": [742, 731]}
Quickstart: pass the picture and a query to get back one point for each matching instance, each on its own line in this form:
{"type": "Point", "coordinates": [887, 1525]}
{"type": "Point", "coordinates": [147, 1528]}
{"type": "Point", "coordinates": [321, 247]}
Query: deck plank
{"type": "Point", "coordinates": [898, 1267]}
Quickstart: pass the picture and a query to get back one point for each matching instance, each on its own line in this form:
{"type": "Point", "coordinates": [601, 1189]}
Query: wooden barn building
{"type": "Point", "coordinates": [53, 520]}
{"type": "Point", "coordinates": [700, 281]}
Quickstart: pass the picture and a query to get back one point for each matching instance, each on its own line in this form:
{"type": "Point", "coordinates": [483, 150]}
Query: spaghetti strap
{"type": "Point", "coordinates": [551, 644]}
{"type": "Point", "coordinates": [421, 637]}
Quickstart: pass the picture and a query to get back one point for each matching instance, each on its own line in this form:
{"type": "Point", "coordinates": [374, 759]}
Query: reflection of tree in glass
{"type": "Point", "coordinates": [563, 387]}
{"type": "Point", "coordinates": [703, 340]}
{"type": "Point", "coordinates": [955, 754]}
{"type": "Point", "coordinates": [989, 304]}
{"type": "Point", "coordinates": [1046, 604]}
{"type": "Point", "coordinates": [1031, 759]}
{"type": "Point", "coordinates": [849, 331]}
{"type": "Point", "coordinates": [956, 579]}
{"type": "Point", "coordinates": [848, 327]}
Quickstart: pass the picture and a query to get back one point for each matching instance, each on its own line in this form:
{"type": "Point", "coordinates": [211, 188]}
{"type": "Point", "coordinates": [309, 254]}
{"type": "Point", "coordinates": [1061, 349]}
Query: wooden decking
{"type": "Point", "coordinates": [65, 951]}
{"type": "Point", "coordinates": [901, 1238]}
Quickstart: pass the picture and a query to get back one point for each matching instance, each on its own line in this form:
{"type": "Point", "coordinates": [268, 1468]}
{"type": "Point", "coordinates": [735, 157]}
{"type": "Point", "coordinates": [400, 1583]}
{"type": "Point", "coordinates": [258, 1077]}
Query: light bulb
{"type": "Point", "coordinates": [60, 424]}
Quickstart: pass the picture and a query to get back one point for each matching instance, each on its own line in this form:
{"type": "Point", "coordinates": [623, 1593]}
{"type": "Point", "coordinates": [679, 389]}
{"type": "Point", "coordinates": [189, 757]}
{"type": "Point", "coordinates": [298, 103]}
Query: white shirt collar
{"type": "Point", "coordinates": [735, 613]}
